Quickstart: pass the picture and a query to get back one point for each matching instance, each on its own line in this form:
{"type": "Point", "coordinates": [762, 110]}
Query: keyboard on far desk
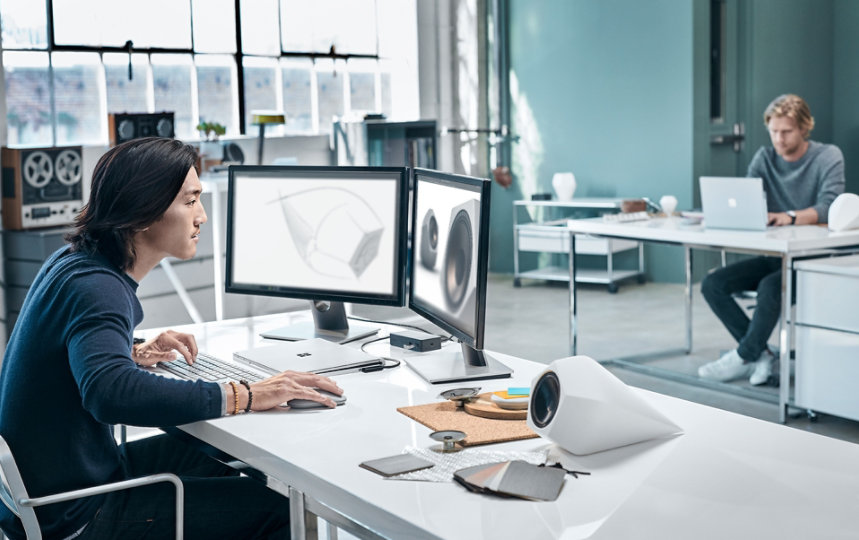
{"type": "Point", "coordinates": [625, 217]}
{"type": "Point", "coordinates": [209, 368]}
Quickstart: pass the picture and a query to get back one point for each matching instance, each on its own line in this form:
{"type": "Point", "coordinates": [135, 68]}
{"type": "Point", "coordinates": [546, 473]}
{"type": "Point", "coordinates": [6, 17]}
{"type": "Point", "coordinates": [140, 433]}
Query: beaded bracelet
{"type": "Point", "coordinates": [235, 397]}
{"type": "Point", "coordinates": [247, 385]}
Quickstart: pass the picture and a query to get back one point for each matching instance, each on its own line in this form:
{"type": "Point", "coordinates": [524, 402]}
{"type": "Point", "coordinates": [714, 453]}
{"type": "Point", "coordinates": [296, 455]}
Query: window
{"type": "Point", "coordinates": [315, 61]}
{"type": "Point", "coordinates": [124, 94]}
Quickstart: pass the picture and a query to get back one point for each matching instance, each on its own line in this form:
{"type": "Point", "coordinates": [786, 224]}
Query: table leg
{"type": "Point", "coordinates": [573, 321]}
{"type": "Point", "coordinates": [784, 337]}
{"type": "Point", "coordinates": [688, 300]}
{"type": "Point", "coordinates": [302, 524]}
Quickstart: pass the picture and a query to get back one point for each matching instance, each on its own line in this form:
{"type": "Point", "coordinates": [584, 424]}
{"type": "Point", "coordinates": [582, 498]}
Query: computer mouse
{"type": "Point", "coordinates": [310, 404]}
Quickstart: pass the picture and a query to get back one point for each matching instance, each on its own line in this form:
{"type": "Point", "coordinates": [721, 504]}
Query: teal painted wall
{"type": "Point", "coordinates": [602, 88]}
{"type": "Point", "coordinates": [790, 50]}
{"type": "Point", "coordinates": [845, 96]}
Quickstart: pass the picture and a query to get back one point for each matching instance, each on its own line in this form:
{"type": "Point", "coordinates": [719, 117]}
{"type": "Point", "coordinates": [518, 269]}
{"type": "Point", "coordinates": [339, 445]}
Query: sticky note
{"type": "Point", "coordinates": [518, 391]}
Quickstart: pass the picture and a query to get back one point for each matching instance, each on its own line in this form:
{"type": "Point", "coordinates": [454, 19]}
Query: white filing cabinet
{"type": "Point", "coordinates": [545, 231]}
{"type": "Point", "coordinates": [827, 335]}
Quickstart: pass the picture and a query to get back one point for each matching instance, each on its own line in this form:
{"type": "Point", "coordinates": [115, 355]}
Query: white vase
{"type": "Point", "coordinates": [565, 185]}
{"type": "Point", "coordinates": [668, 204]}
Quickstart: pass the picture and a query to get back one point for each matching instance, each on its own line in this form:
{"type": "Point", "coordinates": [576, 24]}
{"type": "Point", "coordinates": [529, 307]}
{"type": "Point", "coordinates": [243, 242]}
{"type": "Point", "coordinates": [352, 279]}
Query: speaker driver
{"type": "Point", "coordinates": [164, 127]}
{"type": "Point", "coordinates": [125, 130]}
{"type": "Point", "coordinates": [457, 261]}
{"type": "Point", "coordinates": [38, 169]}
{"type": "Point", "coordinates": [545, 398]}
{"type": "Point", "coordinates": [68, 167]}
{"type": "Point", "coordinates": [429, 240]}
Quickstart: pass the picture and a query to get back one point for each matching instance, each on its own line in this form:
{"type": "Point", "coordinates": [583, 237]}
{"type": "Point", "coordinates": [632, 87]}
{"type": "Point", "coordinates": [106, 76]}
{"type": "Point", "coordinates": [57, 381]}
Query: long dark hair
{"type": "Point", "coordinates": [133, 184]}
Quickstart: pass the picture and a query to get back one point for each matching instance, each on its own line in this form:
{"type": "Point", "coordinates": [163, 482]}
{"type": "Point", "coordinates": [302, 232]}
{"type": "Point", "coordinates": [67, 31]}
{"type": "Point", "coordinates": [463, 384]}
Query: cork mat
{"type": "Point", "coordinates": [478, 430]}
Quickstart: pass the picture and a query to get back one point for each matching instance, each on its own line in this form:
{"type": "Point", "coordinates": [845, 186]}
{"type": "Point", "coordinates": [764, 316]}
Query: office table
{"type": "Point", "coordinates": [787, 243]}
{"type": "Point", "coordinates": [726, 476]}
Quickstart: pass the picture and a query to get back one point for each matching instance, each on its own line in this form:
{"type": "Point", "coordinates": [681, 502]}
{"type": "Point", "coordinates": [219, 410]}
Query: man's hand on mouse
{"type": "Point", "coordinates": [163, 348]}
{"type": "Point", "coordinates": [290, 385]}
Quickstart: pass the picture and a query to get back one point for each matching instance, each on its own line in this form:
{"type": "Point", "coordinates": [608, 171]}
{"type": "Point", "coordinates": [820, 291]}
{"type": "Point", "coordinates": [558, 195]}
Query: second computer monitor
{"type": "Point", "coordinates": [449, 265]}
{"type": "Point", "coordinates": [326, 234]}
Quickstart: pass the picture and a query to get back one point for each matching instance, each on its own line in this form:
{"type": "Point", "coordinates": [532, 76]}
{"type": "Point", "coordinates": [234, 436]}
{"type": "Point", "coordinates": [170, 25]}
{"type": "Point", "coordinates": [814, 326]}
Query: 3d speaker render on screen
{"type": "Point", "coordinates": [449, 264]}
{"type": "Point", "coordinates": [326, 234]}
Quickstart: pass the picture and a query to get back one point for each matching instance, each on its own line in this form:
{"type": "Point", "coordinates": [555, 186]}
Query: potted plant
{"type": "Point", "coordinates": [210, 146]}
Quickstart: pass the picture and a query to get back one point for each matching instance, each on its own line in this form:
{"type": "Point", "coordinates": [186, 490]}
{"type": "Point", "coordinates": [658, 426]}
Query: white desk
{"type": "Point", "coordinates": [727, 476]}
{"type": "Point", "coordinates": [788, 243]}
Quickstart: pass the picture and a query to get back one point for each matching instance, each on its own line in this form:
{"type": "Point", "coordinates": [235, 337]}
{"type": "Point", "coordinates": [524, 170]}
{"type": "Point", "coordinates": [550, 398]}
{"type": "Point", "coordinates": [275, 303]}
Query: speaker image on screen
{"type": "Point", "coordinates": [583, 408]}
{"type": "Point", "coordinates": [429, 240]}
{"type": "Point", "coordinates": [459, 270]}
{"type": "Point", "coordinates": [336, 232]}
{"type": "Point", "coordinates": [41, 186]}
{"type": "Point", "coordinates": [127, 126]}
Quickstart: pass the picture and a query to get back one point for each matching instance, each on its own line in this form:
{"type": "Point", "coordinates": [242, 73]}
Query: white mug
{"type": "Point", "coordinates": [668, 204]}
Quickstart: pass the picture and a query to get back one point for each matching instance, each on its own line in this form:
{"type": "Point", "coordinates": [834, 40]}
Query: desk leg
{"type": "Point", "coordinates": [688, 300]}
{"type": "Point", "coordinates": [573, 322]}
{"type": "Point", "coordinates": [785, 336]}
{"type": "Point", "coordinates": [302, 524]}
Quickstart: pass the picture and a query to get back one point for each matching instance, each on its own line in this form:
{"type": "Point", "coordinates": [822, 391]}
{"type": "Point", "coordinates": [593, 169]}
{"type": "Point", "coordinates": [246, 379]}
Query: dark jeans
{"type": "Point", "coordinates": [761, 274]}
{"type": "Point", "coordinates": [218, 502]}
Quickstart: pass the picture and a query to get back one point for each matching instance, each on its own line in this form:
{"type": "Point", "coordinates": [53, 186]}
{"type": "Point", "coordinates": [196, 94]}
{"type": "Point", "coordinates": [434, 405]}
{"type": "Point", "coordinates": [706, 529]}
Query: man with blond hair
{"type": "Point", "coordinates": [801, 178]}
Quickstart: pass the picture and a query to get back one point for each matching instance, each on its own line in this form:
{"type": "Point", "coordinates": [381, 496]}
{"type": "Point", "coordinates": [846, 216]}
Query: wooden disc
{"type": "Point", "coordinates": [485, 408]}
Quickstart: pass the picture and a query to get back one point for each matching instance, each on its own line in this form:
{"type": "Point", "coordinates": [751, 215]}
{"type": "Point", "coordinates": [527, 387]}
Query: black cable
{"type": "Point", "coordinates": [384, 359]}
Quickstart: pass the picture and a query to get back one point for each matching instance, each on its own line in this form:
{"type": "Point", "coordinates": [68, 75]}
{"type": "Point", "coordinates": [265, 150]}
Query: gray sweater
{"type": "Point", "coordinates": [813, 181]}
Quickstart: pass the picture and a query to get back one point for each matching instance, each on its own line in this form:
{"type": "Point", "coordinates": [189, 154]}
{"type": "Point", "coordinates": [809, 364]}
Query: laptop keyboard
{"type": "Point", "coordinates": [209, 368]}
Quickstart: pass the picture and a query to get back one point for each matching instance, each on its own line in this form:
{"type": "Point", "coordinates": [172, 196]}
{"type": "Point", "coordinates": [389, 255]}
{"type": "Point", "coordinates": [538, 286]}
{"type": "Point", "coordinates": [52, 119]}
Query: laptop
{"type": "Point", "coordinates": [734, 203]}
{"type": "Point", "coordinates": [311, 355]}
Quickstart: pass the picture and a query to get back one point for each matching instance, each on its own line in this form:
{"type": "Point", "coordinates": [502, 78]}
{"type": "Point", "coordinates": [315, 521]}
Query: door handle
{"type": "Point", "coordinates": [736, 137]}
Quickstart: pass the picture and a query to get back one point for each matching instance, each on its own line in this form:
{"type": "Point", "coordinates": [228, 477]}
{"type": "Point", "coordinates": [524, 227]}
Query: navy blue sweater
{"type": "Point", "coordinates": [68, 375]}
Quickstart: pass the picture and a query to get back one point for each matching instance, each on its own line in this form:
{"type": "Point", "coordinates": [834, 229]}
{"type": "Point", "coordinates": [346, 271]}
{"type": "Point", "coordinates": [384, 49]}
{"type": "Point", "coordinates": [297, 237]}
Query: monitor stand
{"type": "Point", "coordinates": [329, 322]}
{"type": "Point", "coordinates": [450, 365]}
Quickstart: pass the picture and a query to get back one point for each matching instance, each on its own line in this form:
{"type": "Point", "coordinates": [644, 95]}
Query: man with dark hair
{"type": "Point", "coordinates": [70, 371]}
{"type": "Point", "coordinates": [801, 178]}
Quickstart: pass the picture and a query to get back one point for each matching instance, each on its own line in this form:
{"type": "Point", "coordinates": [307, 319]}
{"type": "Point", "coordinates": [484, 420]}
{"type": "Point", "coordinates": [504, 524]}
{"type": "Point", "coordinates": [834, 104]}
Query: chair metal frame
{"type": "Point", "coordinates": [14, 494]}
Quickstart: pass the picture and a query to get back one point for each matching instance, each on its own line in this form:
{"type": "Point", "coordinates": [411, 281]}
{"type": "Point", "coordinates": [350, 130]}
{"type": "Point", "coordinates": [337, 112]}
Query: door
{"type": "Point", "coordinates": [727, 153]}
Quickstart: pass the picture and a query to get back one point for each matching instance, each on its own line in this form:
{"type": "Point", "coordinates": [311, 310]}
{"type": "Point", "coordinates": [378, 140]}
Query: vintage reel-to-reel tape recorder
{"type": "Point", "coordinates": [41, 187]}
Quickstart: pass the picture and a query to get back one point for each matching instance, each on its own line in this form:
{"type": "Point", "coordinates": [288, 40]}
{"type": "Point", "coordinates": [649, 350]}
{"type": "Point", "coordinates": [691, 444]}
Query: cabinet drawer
{"type": "Point", "coordinates": [549, 239]}
{"type": "Point", "coordinates": [827, 371]}
{"type": "Point", "coordinates": [827, 300]}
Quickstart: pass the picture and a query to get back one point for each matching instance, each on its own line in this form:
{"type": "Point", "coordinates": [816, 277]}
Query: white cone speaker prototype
{"type": "Point", "coordinates": [583, 408]}
{"type": "Point", "coordinates": [429, 240]}
{"type": "Point", "coordinates": [459, 267]}
{"type": "Point", "coordinates": [844, 212]}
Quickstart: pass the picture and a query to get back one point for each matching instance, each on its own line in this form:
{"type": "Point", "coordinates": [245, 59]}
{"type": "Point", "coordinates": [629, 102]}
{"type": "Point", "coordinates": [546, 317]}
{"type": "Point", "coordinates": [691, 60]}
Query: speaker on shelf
{"type": "Point", "coordinates": [126, 126]}
{"type": "Point", "coordinates": [459, 266]}
{"type": "Point", "coordinates": [41, 187]}
{"type": "Point", "coordinates": [583, 408]}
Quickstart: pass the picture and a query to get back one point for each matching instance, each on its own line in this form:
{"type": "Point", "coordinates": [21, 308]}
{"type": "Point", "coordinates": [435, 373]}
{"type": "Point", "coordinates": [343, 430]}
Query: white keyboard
{"type": "Point", "coordinates": [625, 217]}
{"type": "Point", "coordinates": [209, 368]}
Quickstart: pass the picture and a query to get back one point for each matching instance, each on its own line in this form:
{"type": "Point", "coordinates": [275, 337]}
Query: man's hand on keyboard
{"type": "Point", "coordinates": [163, 347]}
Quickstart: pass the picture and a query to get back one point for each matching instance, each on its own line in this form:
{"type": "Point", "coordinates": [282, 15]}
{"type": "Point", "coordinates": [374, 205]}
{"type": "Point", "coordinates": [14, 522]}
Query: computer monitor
{"type": "Point", "coordinates": [326, 234]}
{"type": "Point", "coordinates": [448, 268]}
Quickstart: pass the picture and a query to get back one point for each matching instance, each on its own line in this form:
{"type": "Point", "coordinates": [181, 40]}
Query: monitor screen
{"type": "Point", "coordinates": [333, 234]}
{"type": "Point", "coordinates": [449, 265]}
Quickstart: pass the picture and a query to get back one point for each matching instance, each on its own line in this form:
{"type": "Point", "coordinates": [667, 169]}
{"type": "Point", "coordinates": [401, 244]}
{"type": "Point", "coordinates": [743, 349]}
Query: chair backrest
{"type": "Point", "coordinates": [12, 490]}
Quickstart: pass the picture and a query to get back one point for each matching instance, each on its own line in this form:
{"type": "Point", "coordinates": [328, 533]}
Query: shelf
{"type": "Point", "coordinates": [552, 236]}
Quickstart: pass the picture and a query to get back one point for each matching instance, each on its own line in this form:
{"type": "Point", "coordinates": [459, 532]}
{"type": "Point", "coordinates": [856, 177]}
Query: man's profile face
{"type": "Point", "coordinates": [788, 140]}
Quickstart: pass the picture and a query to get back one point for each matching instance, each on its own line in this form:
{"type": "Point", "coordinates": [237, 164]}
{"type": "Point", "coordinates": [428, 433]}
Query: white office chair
{"type": "Point", "coordinates": [15, 497]}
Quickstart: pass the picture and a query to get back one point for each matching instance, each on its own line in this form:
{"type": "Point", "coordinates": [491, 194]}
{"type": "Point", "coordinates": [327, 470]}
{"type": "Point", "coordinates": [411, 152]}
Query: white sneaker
{"type": "Point", "coordinates": [727, 368]}
{"type": "Point", "coordinates": [763, 369]}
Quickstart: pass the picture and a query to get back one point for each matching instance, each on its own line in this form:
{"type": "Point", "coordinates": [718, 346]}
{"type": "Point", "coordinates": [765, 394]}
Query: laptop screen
{"type": "Point", "coordinates": [733, 203]}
